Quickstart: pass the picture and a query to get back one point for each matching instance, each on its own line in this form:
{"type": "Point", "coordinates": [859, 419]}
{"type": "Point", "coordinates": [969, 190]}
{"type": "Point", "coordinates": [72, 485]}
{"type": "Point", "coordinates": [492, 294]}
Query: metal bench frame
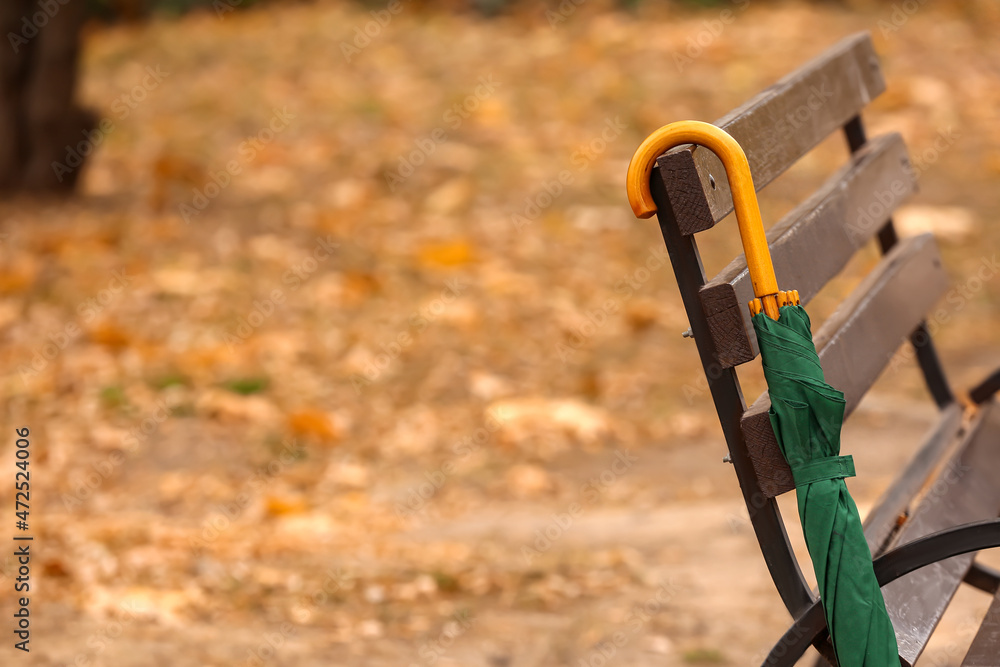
{"type": "Point", "coordinates": [904, 534]}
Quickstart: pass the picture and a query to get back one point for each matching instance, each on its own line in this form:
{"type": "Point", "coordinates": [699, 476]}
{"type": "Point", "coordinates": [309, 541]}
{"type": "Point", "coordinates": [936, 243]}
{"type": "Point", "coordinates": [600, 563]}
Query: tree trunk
{"type": "Point", "coordinates": [38, 73]}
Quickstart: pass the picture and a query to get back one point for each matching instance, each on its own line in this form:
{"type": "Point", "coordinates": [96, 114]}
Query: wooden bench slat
{"type": "Point", "coordinates": [968, 489]}
{"type": "Point", "coordinates": [811, 244]}
{"type": "Point", "coordinates": [881, 524]}
{"type": "Point", "coordinates": [856, 343]}
{"type": "Point", "coordinates": [775, 129]}
{"type": "Point", "coordinates": [985, 649]}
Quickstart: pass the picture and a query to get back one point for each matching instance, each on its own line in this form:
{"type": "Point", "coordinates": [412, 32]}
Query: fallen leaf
{"type": "Point", "coordinates": [447, 254]}
{"type": "Point", "coordinates": [313, 423]}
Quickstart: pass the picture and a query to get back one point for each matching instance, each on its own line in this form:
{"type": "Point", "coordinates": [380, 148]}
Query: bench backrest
{"type": "Point", "coordinates": [809, 246]}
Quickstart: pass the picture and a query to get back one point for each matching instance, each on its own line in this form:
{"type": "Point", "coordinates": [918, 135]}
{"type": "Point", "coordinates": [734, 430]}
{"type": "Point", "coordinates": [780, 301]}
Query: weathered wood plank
{"type": "Point", "coordinates": [775, 129]}
{"type": "Point", "coordinates": [811, 244]}
{"type": "Point", "coordinates": [882, 522]}
{"type": "Point", "coordinates": [857, 342]}
{"type": "Point", "coordinates": [966, 490]}
{"type": "Point", "coordinates": [985, 649]}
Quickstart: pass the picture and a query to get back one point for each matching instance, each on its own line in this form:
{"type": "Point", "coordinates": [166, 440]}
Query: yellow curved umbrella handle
{"type": "Point", "coordinates": [765, 285]}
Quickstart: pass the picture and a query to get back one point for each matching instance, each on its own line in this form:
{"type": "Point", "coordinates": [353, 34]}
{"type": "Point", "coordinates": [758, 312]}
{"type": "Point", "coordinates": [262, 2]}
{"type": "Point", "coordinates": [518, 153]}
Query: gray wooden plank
{"type": "Point", "coordinates": [883, 521]}
{"type": "Point", "coordinates": [985, 648]}
{"type": "Point", "coordinates": [775, 129]}
{"type": "Point", "coordinates": [813, 243]}
{"type": "Point", "coordinates": [857, 342]}
{"type": "Point", "coordinates": [966, 490]}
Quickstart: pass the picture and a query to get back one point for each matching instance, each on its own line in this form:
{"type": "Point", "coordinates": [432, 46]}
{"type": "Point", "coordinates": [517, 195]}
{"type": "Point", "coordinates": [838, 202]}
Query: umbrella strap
{"type": "Point", "coordinates": [817, 470]}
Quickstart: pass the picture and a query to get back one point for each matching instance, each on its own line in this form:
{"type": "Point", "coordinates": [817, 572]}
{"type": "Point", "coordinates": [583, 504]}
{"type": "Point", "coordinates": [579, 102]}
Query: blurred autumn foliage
{"type": "Point", "coordinates": [138, 9]}
{"type": "Point", "coordinates": [358, 357]}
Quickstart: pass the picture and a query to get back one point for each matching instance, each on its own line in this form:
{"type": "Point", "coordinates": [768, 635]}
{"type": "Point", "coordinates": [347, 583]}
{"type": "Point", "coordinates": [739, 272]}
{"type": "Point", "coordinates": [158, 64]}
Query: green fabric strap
{"type": "Point", "coordinates": [831, 467]}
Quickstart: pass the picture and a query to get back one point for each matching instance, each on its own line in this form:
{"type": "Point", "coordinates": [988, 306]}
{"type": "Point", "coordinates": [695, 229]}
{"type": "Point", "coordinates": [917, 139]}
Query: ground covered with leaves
{"type": "Point", "coordinates": [350, 351]}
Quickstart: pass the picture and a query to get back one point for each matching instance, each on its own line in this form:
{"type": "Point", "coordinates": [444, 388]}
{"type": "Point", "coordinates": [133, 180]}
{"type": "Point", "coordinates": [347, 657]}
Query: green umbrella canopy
{"type": "Point", "coordinates": [807, 415]}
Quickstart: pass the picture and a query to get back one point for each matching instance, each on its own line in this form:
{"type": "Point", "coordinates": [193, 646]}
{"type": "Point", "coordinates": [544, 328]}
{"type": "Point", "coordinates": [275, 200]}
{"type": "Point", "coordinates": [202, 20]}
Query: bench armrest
{"type": "Point", "coordinates": [902, 560]}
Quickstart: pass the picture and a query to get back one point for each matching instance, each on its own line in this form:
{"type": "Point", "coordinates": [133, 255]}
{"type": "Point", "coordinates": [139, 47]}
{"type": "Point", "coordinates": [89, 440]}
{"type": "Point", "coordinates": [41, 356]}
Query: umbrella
{"type": "Point", "coordinates": [806, 413]}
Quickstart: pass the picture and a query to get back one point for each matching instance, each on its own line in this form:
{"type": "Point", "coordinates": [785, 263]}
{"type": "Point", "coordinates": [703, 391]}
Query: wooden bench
{"type": "Point", "coordinates": [943, 506]}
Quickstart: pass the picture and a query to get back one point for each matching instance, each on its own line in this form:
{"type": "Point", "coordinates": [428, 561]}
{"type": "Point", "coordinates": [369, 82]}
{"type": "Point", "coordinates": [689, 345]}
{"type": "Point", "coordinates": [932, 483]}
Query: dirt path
{"type": "Point", "coordinates": [657, 567]}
